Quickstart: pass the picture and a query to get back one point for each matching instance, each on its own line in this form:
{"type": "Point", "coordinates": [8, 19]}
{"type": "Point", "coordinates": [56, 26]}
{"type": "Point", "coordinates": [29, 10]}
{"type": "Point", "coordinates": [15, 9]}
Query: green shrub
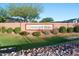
{"type": "Point", "coordinates": [9, 30]}
{"type": "Point", "coordinates": [0, 29]}
{"type": "Point", "coordinates": [62, 29]}
{"type": "Point", "coordinates": [17, 30]}
{"type": "Point", "coordinates": [36, 33]}
{"type": "Point", "coordinates": [23, 33]}
{"type": "Point", "coordinates": [76, 29]}
{"type": "Point", "coordinates": [69, 29]}
{"type": "Point", "coordinates": [3, 29]}
{"type": "Point", "coordinates": [54, 31]}
{"type": "Point", "coordinates": [45, 32]}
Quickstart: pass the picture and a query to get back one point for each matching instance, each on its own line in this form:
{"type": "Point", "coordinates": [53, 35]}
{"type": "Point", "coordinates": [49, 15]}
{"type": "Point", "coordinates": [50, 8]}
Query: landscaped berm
{"type": "Point", "coordinates": [9, 40]}
{"type": "Point", "coordinates": [10, 37]}
{"type": "Point", "coordinates": [25, 42]}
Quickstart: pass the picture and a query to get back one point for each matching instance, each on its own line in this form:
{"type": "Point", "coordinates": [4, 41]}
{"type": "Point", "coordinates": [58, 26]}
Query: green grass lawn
{"type": "Point", "coordinates": [20, 42]}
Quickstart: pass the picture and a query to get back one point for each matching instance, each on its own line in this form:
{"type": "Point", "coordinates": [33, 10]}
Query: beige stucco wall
{"type": "Point", "coordinates": [57, 25]}
{"type": "Point", "coordinates": [7, 25]}
{"type": "Point", "coordinates": [23, 25]}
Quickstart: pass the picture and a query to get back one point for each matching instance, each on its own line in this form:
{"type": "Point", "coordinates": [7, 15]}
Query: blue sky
{"type": "Point", "coordinates": [61, 11]}
{"type": "Point", "coordinates": [57, 11]}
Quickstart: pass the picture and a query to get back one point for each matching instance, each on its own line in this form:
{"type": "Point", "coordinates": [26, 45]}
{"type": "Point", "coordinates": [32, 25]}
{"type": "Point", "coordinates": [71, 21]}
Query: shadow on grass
{"type": "Point", "coordinates": [43, 42]}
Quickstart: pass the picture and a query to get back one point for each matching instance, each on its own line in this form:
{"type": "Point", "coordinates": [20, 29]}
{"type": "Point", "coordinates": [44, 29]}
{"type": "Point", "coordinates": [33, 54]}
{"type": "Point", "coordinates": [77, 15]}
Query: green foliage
{"type": "Point", "coordinates": [9, 30]}
{"type": "Point", "coordinates": [34, 21]}
{"type": "Point", "coordinates": [17, 30]}
{"type": "Point", "coordinates": [3, 12]}
{"type": "Point", "coordinates": [28, 12]}
{"type": "Point", "coordinates": [24, 33]}
{"type": "Point", "coordinates": [45, 32]}
{"type": "Point", "coordinates": [76, 29]}
{"type": "Point", "coordinates": [62, 29]}
{"type": "Point", "coordinates": [3, 15]}
{"type": "Point", "coordinates": [20, 42]}
{"type": "Point", "coordinates": [3, 29]}
{"type": "Point", "coordinates": [48, 19]}
{"type": "Point", "coordinates": [2, 19]}
{"type": "Point", "coordinates": [36, 34]}
{"type": "Point", "coordinates": [0, 29]}
{"type": "Point", "coordinates": [54, 31]}
{"type": "Point", "coordinates": [69, 29]}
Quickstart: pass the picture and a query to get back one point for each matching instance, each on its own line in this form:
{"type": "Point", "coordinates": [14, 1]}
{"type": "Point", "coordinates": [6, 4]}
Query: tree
{"type": "Point", "coordinates": [47, 19]}
{"type": "Point", "coordinates": [28, 12]}
{"type": "Point", "coordinates": [2, 19]}
{"type": "Point", "coordinates": [3, 12]}
{"type": "Point", "coordinates": [3, 15]}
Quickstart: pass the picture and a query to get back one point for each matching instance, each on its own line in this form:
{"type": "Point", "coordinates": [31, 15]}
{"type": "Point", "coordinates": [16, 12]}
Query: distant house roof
{"type": "Point", "coordinates": [75, 20]}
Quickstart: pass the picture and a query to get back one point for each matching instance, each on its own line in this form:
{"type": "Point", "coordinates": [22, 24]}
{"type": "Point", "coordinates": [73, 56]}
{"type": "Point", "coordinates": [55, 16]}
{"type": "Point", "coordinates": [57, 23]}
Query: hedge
{"type": "Point", "coordinates": [45, 32]}
{"type": "Point", "coordinates": [9, 30]}
{"type": "Point", "coordinates": [3, 29]}
{"type": "Point", "coordinates": [54, 31]}
{"type": "Point", "coordinates": [24, 33]}
{"type": "Point", "coordinates": [62, 29]}
{"type": "Point", "coordinates": [69, 29]}
{"type": "Point", "coordinates": [76, 29]}
{"type": "Point", "coordinates": [36, 34]}
{"type": "Point", "coordinates": [17, 30]}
